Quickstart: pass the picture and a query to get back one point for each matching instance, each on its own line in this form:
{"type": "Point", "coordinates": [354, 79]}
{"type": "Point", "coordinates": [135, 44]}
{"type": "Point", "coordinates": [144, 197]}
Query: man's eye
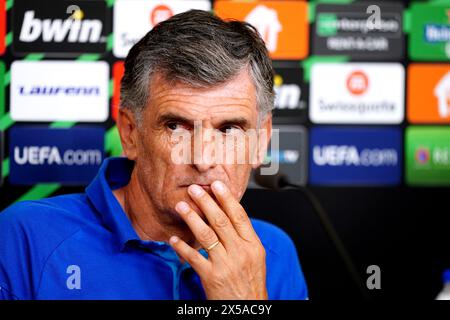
{"type": "Point", "coordinates": [230, 129]}
{"type": "Point", "coordinates": [172, 125]}
{"type": "Point", "coordinates": [175, 126]}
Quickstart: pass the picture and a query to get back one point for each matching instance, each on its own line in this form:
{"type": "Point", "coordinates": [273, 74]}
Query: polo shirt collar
{"type": "Point", "coordinates": [115, 172]}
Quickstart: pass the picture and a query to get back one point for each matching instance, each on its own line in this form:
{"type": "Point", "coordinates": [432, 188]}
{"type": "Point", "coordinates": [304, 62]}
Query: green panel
{"type": "Point", "coordinates": [326, 24]}
{"type": "Point", "coordinates": [309, 62]}
{"type": "Point", "coordinates": [6, 121]}
{"type": "Point", "coordinates": [429, 32]}
{"type": "Point", "coordinates": [113, 146]}
{"type": "Point", "coordinates": [427, 155]}
{"type": "Point", "coordinates": [40, 191]}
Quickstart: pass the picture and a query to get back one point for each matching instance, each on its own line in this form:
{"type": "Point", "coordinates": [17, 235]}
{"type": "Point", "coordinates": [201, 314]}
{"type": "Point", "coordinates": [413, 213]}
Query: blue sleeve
{"type": "Point", "coordinates": [285, 279]}
{"type": "Point", "coordinates": [14, 258]}
{"type": "Point", "coordinates": [285, 276]}
{"type": "Point", "coordinates": [298, 289]}
{"type": "Point", "coordinates": [29, 233]}
{"type": "Point", "coordinates": [20, 261]}
{"type": "Point", "coordinates": [5, 294]}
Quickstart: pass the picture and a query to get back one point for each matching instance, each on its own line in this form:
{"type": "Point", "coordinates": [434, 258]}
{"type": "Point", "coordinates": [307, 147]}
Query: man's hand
{"type": "Point", "coordinates": [236, 266]}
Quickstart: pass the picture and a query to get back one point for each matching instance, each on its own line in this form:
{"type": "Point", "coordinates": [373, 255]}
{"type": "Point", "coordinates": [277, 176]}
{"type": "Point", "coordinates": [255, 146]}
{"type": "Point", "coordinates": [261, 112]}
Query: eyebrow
{"type": "Point", "coordinates": [172, 117]}
{"type": "Point", "coordinates": [238, 121]}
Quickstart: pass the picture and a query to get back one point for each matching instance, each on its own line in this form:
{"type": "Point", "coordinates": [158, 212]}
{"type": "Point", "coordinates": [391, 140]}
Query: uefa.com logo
{"type": "Point", "coordinates": [233, 147]}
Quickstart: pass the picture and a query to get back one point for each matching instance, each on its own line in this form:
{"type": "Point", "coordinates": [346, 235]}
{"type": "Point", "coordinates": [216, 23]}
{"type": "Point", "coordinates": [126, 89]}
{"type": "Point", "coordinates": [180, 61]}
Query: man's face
{"type": "Point", "coordinates": [177, 108]}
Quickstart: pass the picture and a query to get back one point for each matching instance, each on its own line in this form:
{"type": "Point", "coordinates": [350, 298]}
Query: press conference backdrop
{"type": "Point", "coordinates": [363, 109]}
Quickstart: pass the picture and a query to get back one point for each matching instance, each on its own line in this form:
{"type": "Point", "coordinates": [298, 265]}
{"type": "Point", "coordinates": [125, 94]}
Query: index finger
{"type": "Point", "coordinates": [234, 211]}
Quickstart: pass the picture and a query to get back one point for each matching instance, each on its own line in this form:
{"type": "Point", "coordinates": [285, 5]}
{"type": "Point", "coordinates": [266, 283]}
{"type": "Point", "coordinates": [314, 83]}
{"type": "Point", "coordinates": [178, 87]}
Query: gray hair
{"type": "Point", "coordinates": [201, 50]}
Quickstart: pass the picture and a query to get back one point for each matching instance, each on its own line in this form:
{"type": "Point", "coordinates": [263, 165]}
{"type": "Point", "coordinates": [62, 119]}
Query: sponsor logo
{"type": "Point", "coordinates": [59, 90]}
{"type": "Point", "coordinates": [266, 21]}
{"type": "Point", "coordinates": [355, 156]}
{"type": "Point", "coordinates": [357, 82]}
{"type": "Point", "coordinates": [427, 152]}
{"type": "Point", "coordinates": [285, 34]}
{"type": "Point", "coordinates": [290, 95]}
{"type": "Point", "coordinates": [429, 93]}
{"type": "Point", "coordinates": [70, 91]}
{"type": "Point", "coordinates": [2, 26]}
{"type": "Point", "coordinates": [160, 13]}
{"type": "Point", "coordinates": [145, 15]}
{"type": "Point", "coordinates": [60, 28]}
{"type": "Point", "coordinates": [329, 24]}
{"type": "Point", "coordinates": [430, 32]}
{"type": "Point", "coordinates": [435, 33]}
{"type": "Point", "coordinates": [37, 155]}
{"type": "Point", "coordinates": [287, 96]}
{"type": "Point", "coordinates": [283, 156]}
{"type": "Point", "coordinates": [349, 155]}
{"type": "Point", "coordinates": [357, 93]}
{"type": "Point", "coordinates": [422, 155]}
{"type": "Point", "coordinates": [290, 157]}
{"type": "Point", "coordinates": [69, 156]}
{"type": "Point", "coordinates": [345, 29]}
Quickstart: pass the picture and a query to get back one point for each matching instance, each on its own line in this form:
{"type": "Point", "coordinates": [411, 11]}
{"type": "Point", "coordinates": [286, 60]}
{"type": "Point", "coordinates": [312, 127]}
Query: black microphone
{"type": "Point", "coordinates": [280, 181]}
{"type": "Point", "coordinates": [275, 181]}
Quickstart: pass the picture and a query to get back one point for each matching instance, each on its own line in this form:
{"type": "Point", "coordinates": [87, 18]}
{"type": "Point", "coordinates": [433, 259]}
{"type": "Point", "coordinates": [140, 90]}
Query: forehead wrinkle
{"type": "Point", "coordinates": [198, 98]}
{"type": "Point", "coordinates": [164, 88]}
{"type": "Point", "coordinates": [221, 107]}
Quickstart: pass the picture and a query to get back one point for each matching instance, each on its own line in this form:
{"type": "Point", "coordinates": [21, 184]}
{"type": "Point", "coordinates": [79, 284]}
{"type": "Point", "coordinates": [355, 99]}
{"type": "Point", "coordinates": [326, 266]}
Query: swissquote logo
{"type": "Point", "coordinates": [357, 82]}
{"type": "Point", "coordinates": [70, 90]}
{"type": "Point", "coordinates": [145, 14]}
{"type": "Point", "coordinates": [60, 27]}
{"type": "Point", "coordinates": [356, 93]}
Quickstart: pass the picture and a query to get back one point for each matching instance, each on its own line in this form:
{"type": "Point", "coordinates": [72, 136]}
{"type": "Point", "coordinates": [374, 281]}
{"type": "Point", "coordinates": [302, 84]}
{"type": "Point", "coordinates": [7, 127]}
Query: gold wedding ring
{"type": "Point", "coordinates": [212, 246]}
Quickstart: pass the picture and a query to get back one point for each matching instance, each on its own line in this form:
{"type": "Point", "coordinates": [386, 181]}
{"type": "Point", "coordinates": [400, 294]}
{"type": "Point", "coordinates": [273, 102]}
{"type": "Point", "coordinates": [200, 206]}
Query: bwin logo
{"type": "Point", "coordinates": [287, 96]}
{"type": "Point", "coordinates": [59, 30]}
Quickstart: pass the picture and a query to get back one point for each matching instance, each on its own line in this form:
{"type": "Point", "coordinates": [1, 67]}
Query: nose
{"type": "Point", "coordinates": [204, 149]}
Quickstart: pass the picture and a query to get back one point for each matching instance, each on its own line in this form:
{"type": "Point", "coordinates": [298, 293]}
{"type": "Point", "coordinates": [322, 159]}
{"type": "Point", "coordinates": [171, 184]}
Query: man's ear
{"type": "Point", "coordinates": [264, 135]}
{"type": "Point", "coordinates": [126, 124]}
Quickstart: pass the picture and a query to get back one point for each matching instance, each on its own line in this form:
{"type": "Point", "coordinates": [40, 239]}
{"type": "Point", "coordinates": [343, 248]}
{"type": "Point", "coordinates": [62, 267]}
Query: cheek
{"type": "Point", "coordinates": [238, 179]}
{"type": "Point", "coordinates": [156, 148]}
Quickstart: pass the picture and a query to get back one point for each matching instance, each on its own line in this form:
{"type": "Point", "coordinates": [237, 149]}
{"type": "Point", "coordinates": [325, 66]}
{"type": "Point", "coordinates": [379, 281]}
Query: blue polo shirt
{"type": "Point", "coordinates": [82, 246]}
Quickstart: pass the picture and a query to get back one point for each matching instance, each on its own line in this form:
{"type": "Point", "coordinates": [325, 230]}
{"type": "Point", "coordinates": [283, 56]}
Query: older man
{"type": "Point", "coordinates": [151, 227]}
